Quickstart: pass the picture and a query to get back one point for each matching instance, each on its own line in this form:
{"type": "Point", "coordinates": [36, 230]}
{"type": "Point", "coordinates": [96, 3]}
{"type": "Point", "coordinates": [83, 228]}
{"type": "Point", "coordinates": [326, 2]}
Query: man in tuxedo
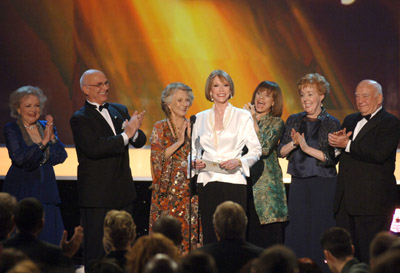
{"type": "Point", "coordinates": [231, 252]}
{"type": "Point", "coordinates": [102, 132]}
{"type": "Point", "coordinates": [366, 189]}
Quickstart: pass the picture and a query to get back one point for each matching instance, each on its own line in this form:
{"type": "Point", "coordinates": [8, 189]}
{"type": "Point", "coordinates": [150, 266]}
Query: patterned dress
{"type": "Point", "coordinates": [170, 188]}
{"type": "Point", "coordinates": [269, 190]}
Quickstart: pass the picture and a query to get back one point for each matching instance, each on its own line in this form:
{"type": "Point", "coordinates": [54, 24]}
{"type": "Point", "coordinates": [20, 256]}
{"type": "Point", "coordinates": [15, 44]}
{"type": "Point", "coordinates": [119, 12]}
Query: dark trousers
{"type": "Point", "coordinates": [262, 235]}
{"type": "Point", "coordinates": [92, 223]}
{"type": "Point", "coordinates": [210, 196]}
{"type": "Point", "coordinates": [362, 228]}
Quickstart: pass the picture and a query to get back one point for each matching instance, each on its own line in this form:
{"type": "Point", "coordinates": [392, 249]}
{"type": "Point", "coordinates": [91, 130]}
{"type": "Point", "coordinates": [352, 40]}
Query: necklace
{"type": "Point", "coordinates": [30, 127]}
{"type": "Point", "coordinates": [173, 128]}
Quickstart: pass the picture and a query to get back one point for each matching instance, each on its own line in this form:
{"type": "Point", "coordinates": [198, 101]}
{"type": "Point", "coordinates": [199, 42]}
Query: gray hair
{"type": "Point", "coordinates": [168, 93]}
{"type": "Point", "coordinates": [16, 96]}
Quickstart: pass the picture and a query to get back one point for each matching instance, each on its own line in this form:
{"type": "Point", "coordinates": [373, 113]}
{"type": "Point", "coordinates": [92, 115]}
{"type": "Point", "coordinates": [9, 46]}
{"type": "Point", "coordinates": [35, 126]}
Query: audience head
{"type": "Point", "coordinates": [95, 86]}
{"type": "Point", "coordinates": [197, 262]}
{"type": "Point", "coordinates": [29, 216]}
{"type": "Point", "coordinates": [170, 227]}
{"type": "Point", "coordinates": [223, 77]}
{"type": "Point", "coordinates": [318, 81]}
{"type": "Point", "coordinates": [7, 206]}
{"type": "Point", "coordinates": [270, 88]}
{"type": "Point", "coordinates": [161, 263]}
{"type": "Point", "coordinates": [103, 266]}
{"type": "Point", "coordinates": [23, 93]}
{"type": "Point", "coordinates": [9, 257]}
{"type": "Point", "coordinates": [25, 266]}
{"type": "Point", "coordinates": [250, 266]}
{"type": "Point", "coordinates": [337, 246]}
{"type": "Point", "coordinates": [229, 221]}
{"type": "Point", "coordinates": [382, 242]}
{"type": "Point", "coordinates": [169, 92]}
{"type": "Point", "coordinates": [338, 242]}
{"type": "Point", "coordinates": [119, 230]}
{"type": "Point", "coordinates": [369, 96]}
{"type": "Point", "coordinates": [388, 262]}
{"type": "Point", "coordinates": [147, 247]}
{"type": "Point", "coordinates": [277, 259]}
{"type": "Point", "coordinates": [306, 265]}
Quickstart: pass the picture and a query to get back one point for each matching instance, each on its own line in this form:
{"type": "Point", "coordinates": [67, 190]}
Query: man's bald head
{"type": "Point", "coordinates": [369, 96]}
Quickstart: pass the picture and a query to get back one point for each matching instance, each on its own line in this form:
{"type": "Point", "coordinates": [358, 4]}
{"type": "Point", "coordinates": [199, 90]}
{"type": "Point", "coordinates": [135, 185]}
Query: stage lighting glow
{"type": "Point", "coordinates": [347, 2]}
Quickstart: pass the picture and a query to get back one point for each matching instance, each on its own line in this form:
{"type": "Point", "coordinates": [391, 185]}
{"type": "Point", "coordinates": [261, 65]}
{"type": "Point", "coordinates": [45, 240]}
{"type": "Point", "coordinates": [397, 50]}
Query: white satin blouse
{"type": "Point", "coordinates": [209, 144]}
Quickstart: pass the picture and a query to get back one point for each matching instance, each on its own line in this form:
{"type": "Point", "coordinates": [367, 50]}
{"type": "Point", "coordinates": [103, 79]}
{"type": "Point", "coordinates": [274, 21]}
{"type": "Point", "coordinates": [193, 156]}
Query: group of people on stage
{"type": "Point", "coordinates": [231, 152]}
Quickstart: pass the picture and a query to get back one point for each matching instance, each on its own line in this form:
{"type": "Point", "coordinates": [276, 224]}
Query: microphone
{"type": "Point", "coordinates": [192, 119]}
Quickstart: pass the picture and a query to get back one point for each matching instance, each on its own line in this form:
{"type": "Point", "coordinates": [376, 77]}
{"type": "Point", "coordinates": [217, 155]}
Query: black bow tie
{"type": "Point", "coordinates": [367, 117]}
{"type": "Point", "coordinates": [101, 107]}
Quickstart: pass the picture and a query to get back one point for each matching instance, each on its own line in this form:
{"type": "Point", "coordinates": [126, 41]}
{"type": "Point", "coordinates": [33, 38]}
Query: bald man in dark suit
{"type": "Point", "coordinates": [102, 132]}
{"type": "Point", "coordinates": [366, 190]}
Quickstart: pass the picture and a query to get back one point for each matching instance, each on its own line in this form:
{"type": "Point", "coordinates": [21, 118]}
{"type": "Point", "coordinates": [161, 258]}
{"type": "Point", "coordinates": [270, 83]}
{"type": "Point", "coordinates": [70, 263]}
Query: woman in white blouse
{"type": "Point", "coordinates": [218, 138]}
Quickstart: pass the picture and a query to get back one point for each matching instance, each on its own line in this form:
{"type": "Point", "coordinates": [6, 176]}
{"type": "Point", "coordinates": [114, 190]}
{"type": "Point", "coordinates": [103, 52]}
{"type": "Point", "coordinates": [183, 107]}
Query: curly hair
{"type": "Point", "coordinates": [15, 98]}
{"type": "Point", "coordinates": [169, 92]}
{"type": "Point", "coordinates": [323, 86]}
{"type": "Point", "coordinates": [148, 246]}
{"type": "Point", "coordinates": [119, 230]}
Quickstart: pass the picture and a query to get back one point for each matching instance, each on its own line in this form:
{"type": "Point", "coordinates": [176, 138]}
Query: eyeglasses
{"type": "Point", "coordinates": [100, 84]}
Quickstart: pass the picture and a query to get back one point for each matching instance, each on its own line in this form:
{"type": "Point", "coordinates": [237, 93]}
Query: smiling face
{"type": "Point", "coordinates": [180, 104]}
{"type": "Point", "coordinates": [263, 101]}
{"type": "Point", "coordinates": [311, 100]}
{"type": "Point", "coordinates": [368, 99]}
{"type": "Point", "coordinates": [29, 109]}
{"type": "Point", "coordinates": [220, 90]}
{"type": "Point", "coordinates": [96, 87]}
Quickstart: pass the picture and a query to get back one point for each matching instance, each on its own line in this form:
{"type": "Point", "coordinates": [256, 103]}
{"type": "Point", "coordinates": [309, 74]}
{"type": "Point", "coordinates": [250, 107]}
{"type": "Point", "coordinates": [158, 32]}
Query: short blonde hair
{"type": "Point", "coordinates": [222, 75]}
{"type": "Point", "coordinates": [323, 86]}
{"type": "Point", "coordinates": [119, 230]}
{"type": "Point", "coordinates": [16, 96]}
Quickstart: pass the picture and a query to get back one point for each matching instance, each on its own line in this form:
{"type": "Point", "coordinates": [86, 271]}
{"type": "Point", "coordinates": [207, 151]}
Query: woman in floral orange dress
{"type": "Point", "coordinates": [169, 153]}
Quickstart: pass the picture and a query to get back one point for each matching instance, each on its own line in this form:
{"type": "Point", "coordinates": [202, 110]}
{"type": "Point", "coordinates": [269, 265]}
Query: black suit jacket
{"type": "Point", "coordinates": [366, 181]}
{"type": "Point", "coordinates": [104, 175]}
{"type": "Point", "coordinates": [231, 255]}
{"type": "Point", "coordinates": [47, 256]}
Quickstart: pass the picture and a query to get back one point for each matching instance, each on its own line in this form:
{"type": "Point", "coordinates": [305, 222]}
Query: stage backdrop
{"type": "Point", "coordinates": [143, 45]}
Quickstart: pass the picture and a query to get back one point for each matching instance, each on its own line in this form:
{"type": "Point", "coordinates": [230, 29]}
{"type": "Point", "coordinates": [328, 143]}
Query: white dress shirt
{"type": "Point", "coordinates": [359, 126]}
{"type": "Point", "coordinates": [219, 146]}
{"type": "Point", "coordinates": [106, 115]}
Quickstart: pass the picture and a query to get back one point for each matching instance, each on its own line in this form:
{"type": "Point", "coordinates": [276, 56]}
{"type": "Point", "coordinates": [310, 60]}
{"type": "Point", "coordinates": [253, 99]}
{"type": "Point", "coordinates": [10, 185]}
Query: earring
{"type": "Point", "coordinates": [230, 95]}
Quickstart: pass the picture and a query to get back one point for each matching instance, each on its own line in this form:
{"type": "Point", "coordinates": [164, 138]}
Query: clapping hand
{"type": "Point", "coordinates": [133, 124]}
{"type": "Point", "coordinates": [181, 133]}
{"type": "Point", "coordinates": [70, 247]}
{"type": "Point", "coordinates": [48, 130]}
{"type": "Point", "coordinates": [299, 139]}
{"type": "Point", "coordinates": [251, 108]}
{"type": "Point", "coordinates": [339, 139]}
